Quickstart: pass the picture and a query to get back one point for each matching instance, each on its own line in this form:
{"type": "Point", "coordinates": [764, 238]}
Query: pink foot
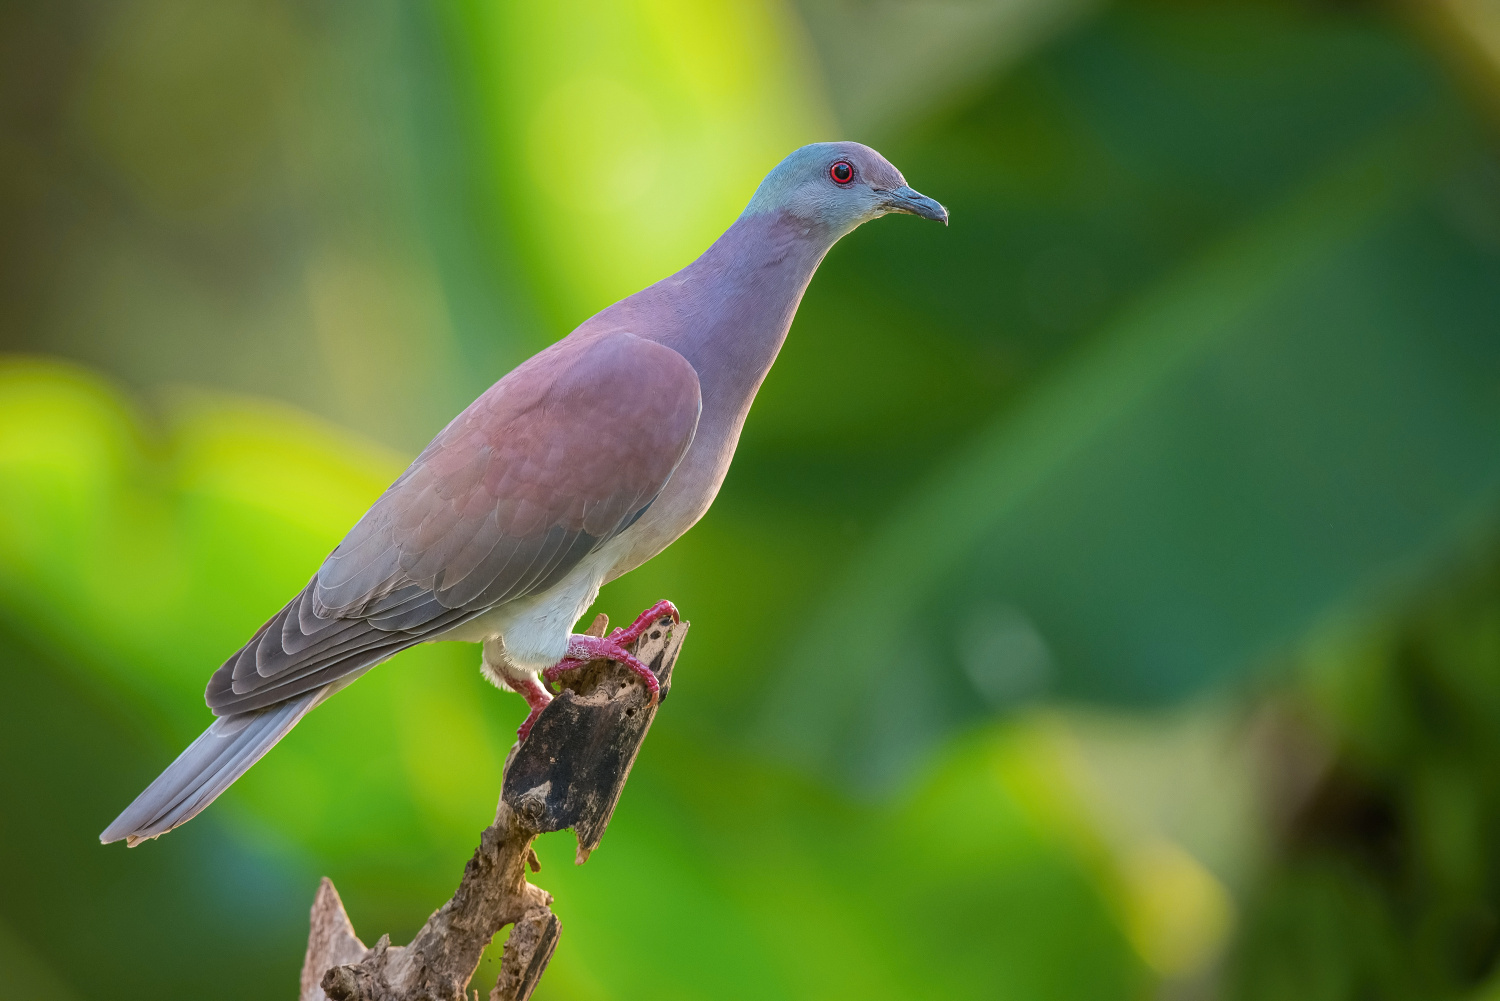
{"type": "Point", "coordinates": [645, 621]}
{"type": "Point", "coordinates": [536, 697]}
{"type": "Point", "coordinates": [582, 649]}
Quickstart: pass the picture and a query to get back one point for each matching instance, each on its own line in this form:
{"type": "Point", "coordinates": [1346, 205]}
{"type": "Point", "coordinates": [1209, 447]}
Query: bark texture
{"type": "Point", "coordinates": [570, 772]}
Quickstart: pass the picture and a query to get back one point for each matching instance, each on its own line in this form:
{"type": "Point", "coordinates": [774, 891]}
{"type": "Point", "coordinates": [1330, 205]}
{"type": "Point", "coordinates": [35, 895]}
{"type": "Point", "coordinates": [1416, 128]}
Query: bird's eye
{"type": "Point", "coordinates": [841, 172]}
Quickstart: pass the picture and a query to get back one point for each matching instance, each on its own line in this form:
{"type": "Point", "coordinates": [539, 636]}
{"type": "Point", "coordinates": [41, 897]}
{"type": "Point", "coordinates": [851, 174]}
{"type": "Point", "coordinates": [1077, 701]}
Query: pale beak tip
{"type": "Point", "coordinates": [905, 199]}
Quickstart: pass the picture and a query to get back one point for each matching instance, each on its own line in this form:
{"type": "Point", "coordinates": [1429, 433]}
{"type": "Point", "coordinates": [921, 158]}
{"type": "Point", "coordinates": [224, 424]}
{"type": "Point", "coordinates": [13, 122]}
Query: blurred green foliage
{"type": "Point", "coordinates": [1386, 885]}
{"type": "Point", "coordinates": [988, 691]}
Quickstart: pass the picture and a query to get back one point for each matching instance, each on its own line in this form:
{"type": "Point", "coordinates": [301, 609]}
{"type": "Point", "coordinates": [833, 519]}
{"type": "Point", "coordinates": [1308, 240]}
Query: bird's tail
{"type": "Point", "coordinates": [209, 766]}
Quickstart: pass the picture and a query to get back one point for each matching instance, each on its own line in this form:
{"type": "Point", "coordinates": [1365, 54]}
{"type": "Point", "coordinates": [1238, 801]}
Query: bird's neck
{"type": "Point", "coordinates": [727, 313]}
{"type": "Point", "coordinates": [731, 308]}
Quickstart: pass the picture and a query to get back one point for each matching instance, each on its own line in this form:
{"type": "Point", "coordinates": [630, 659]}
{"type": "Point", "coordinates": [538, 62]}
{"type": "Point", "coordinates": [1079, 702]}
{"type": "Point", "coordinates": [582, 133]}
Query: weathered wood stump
{"type": "Point", "coordinates": [570, 772]}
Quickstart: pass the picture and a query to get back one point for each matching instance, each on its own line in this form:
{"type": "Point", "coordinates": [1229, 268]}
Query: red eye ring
{"type": "Point", "coordinates": [842, 172]}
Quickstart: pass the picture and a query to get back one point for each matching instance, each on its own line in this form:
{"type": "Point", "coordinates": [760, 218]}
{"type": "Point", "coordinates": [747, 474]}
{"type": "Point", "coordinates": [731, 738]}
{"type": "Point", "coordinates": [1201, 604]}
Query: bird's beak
{"type": "Point", "coordinates": [904, 199]}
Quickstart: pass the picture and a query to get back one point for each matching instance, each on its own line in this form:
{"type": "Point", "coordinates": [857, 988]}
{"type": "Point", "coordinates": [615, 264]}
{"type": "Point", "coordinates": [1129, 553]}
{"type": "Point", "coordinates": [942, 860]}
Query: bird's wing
{"type": "Point", "coordinates": [560, 456]}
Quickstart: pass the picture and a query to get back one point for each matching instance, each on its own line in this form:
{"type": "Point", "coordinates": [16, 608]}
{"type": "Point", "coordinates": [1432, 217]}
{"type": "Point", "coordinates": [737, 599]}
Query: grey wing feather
{"type": "Point", "coordinates": [210, 765]}
{"type": "Point", "coordinates": [285, 658]}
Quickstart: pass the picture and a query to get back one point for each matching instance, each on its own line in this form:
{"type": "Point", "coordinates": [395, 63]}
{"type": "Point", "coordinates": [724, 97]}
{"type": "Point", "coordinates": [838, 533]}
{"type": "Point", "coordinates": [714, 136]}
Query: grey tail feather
{"type": "Point", "coordinates": [221, 754]}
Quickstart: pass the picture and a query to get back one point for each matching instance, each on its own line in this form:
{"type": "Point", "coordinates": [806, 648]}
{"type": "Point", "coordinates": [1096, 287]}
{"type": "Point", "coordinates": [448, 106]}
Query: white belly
{"type": "Point", "coordinates": [534, 630]}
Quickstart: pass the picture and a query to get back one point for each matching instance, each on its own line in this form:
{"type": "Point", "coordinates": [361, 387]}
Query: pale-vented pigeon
{"type": "Point", "coordinates": [581, 464]}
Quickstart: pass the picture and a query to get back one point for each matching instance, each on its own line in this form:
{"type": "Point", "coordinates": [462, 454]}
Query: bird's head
{"type": "Point", "coordinates": [840, 185]}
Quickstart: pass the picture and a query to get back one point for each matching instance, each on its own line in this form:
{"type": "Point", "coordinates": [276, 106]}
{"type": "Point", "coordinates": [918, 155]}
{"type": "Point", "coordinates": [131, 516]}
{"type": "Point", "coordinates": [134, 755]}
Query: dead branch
{"type": "Point", "coordinates": [570, 772]}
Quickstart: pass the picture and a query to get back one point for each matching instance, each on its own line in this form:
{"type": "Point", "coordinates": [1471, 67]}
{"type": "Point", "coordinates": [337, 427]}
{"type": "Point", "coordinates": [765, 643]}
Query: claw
{"type": "Point", "coordinates": [645, 621]}
{"type": "Point", "coordinates": [584, 648]}
{"type": "Point", "coordinates": [556, 670]}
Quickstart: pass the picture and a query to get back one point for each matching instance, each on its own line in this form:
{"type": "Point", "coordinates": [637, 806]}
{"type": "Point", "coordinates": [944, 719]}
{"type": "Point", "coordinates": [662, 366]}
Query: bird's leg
{"type": "Point", "coordinates": [584, 648]}
{"type": "Point", "coordinates": [536, 698]}
{"type": "Point", "coordinates": [497, 666]}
